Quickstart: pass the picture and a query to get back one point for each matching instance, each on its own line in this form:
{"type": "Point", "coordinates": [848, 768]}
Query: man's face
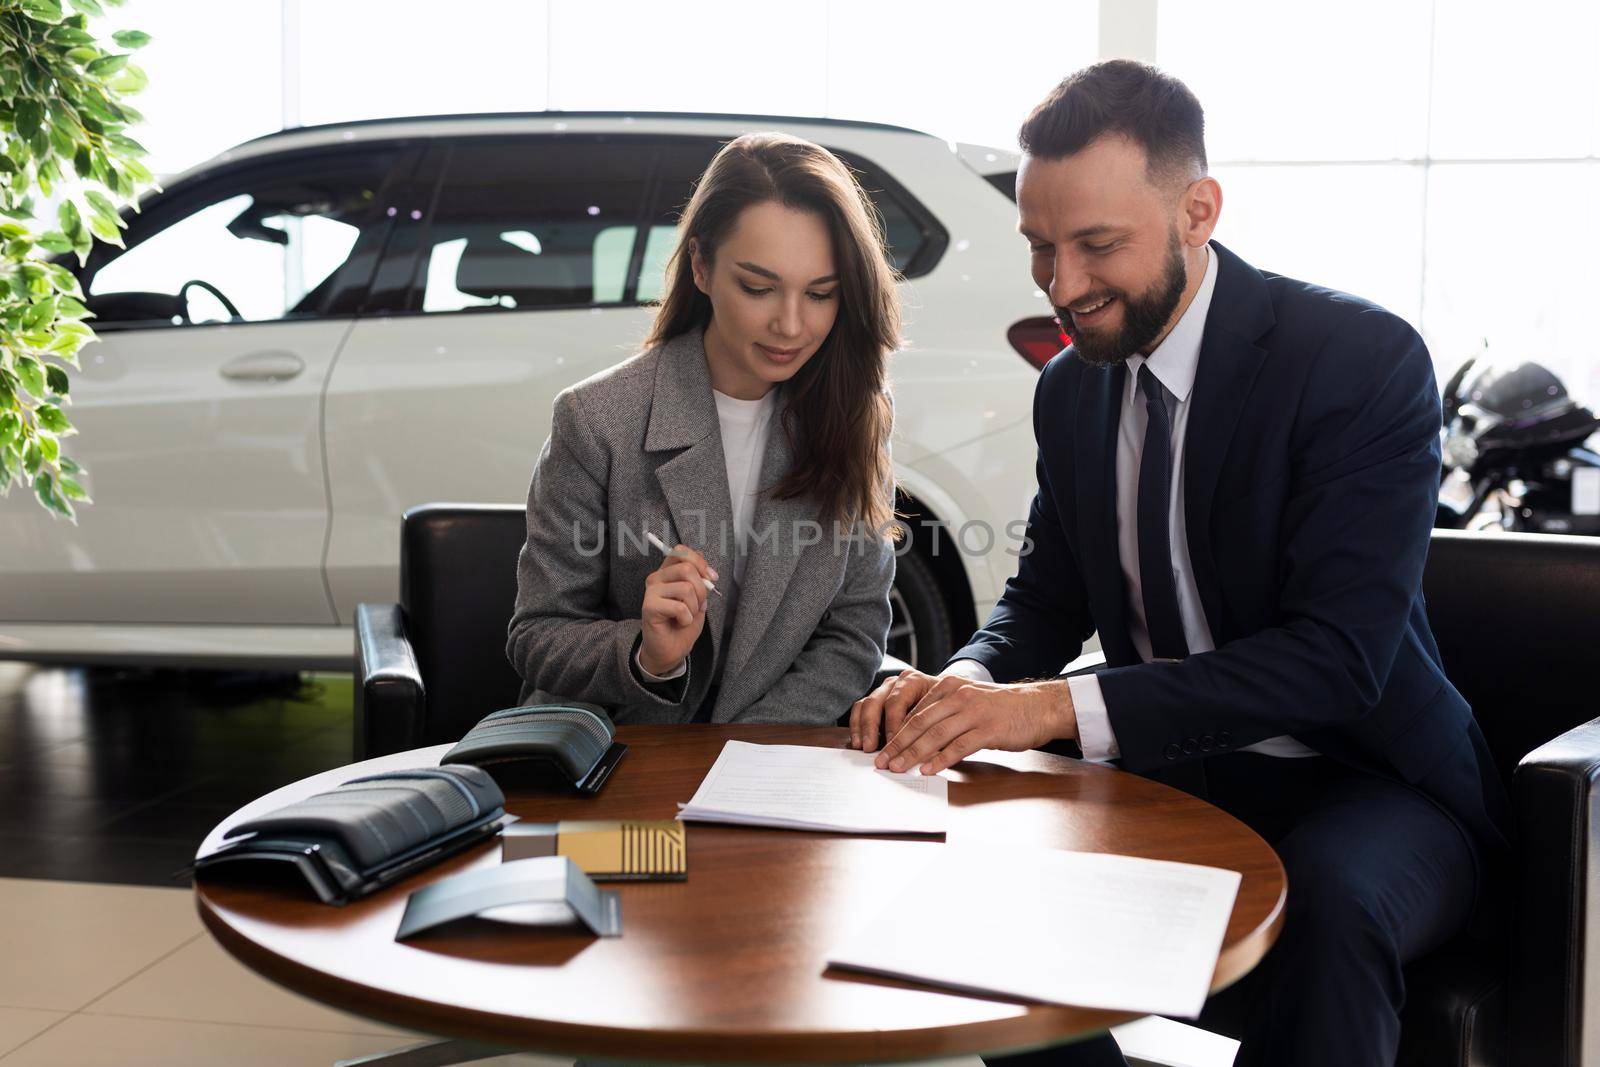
{"type": "Point", "coordinates": [1105, 245]}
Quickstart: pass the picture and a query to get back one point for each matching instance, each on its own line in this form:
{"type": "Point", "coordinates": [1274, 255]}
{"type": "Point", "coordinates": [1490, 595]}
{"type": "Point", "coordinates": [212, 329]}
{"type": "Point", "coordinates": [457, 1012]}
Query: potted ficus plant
{"type": "Point", "coordinates": [63, 117]}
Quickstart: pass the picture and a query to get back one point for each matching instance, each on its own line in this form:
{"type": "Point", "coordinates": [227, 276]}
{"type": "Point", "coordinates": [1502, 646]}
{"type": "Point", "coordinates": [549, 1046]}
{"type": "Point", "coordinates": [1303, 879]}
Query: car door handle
{"type": "Point", "coordinates": [264, 367]}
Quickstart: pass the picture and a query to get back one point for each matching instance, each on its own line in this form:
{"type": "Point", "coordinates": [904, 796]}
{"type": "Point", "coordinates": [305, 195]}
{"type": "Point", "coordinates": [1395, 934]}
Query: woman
{"type": "Point", "coordinates": [751, 435]}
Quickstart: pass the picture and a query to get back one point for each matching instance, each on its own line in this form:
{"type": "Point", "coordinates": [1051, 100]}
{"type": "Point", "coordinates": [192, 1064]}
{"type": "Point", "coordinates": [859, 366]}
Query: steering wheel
{"type": "Point", "coordinates": [183, 299]}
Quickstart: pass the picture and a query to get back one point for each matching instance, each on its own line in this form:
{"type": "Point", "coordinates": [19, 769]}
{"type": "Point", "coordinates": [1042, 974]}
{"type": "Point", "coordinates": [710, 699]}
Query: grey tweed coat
{"type": "Point", "coordinates": [638, 447]}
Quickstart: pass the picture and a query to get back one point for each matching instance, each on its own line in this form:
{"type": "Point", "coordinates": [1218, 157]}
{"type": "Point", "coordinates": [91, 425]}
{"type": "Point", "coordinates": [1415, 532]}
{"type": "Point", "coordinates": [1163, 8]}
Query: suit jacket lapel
{"type": "Point", "coordinates": [1094, 446]}
{"type": "Point", "coordinates": [1241, 312]}
{"type": "Point", "coordinates": [683, 418]}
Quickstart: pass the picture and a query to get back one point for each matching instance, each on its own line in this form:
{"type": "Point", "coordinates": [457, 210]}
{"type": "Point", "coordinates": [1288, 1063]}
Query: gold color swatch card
{"type": "Point", "coordinates": [625, 851]}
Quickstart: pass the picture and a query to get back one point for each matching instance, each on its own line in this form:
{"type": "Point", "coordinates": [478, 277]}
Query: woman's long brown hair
{"type": "Point", "coordinates": [838, 414]}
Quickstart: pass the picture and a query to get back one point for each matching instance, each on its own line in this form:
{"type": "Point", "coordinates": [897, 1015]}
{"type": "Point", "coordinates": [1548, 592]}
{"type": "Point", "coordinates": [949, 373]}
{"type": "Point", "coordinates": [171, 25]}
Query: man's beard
{"type": "Point", "coordinates": [1143, 318]}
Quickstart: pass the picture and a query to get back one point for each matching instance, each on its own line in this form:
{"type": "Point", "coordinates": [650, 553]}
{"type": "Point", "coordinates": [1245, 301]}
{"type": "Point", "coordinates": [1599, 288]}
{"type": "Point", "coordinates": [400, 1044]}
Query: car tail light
{"type": "Point", "coordinates": [1037, 339]}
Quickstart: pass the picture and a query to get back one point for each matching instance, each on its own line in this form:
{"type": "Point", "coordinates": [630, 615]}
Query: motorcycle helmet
{"type": "Point", "coordinates": [1492, 407]}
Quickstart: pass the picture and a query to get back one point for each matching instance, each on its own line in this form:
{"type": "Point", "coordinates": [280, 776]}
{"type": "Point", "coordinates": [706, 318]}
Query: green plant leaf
{"type": "Point", "coordinates": [82, 163]}
{"type": "Point", "coordinates": [106, 66]}
{"type": "Point", "coordinates": [38, 314]}
{"type": "Point", "coordinates": [70, 308]}
{"type": "Point", "coordinates": [83, 54]}
{"type": "Point", "coordinates": [18, 247]}
{"type": "Point", "coordinates": [44, 485]}
{"type": "Point", "coordinates": [36, 278]}
{"type": "Point", "coordinates": [131, 38]}
{"type": "Point", "coordinates": [71, 36]}
{"type": "Point", "coordinates": [31, 371]}
{"type": "Point", "coordinates": [71, 466]}
{"type": "Point", "coordinates": [105, 230]}
{"type": "Point", "coordinates": [10, 427]}
{"type": "Point", "coordinates": [65, 348]}
{"type": "Point", "coordinates": [57, 380]}
{"type": "Point", "coordinates": [63, 280]}
{"type": "Point", "coordinates": [55, 241]}
{"type": "Point", "coordinates": [49, 448]}
{"type": "Point", "coordinates": [43, 10]}
{"type": "Point", "coordinates": [130, 79]}
{"type": "Point", "coordinates": [89, 7]}
{"type": "Point", "coordinates": [7, 165]}
{"type": "Point", "coordinates": [53, 418]}
{"type": "Point", "coordinates": [71, 221]}
{"type": "Point", "coordinates": [128, 144]}
{"type": "Point", "coordinates": [32, 457]}
{"type": "Point", "coordinates": [70, 487]}
{"type": "Point", "coordinates": [30, 116]}
{"type": "Point", "coordinates": [102, 206]}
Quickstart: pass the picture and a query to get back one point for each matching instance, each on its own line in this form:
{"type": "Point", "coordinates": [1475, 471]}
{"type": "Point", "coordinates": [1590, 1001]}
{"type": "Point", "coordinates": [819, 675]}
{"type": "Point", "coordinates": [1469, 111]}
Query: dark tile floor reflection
{"type": "Point", "coordinates": [116, 776]}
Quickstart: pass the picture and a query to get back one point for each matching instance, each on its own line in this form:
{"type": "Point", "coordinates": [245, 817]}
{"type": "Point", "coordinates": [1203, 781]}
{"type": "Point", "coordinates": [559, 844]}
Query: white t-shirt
{"type": "Point", "coordinates": [746, 425]}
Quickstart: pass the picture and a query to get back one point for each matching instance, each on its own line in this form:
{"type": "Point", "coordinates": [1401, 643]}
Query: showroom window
{"type": "Point", "coordinates": [1424, 155]}
{"type": "Point", "coordinates": [254, 247]}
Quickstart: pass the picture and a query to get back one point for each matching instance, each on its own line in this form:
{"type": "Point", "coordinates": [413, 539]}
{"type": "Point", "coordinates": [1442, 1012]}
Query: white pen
{"type": "Point", "coordinates": [665, 551]}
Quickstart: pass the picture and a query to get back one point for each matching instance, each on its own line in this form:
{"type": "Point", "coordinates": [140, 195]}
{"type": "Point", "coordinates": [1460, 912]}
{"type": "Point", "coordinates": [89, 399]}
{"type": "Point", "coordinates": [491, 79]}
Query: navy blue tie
{"type": "Point", "coordinates": [1155, 539]}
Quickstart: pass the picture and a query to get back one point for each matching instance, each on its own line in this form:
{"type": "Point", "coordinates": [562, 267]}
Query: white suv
{"type": "Point", "coordinates": [324, 327]}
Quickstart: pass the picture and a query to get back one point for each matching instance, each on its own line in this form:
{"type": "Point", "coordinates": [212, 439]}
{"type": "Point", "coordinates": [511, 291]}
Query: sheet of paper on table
{"type": "Point", "coordinates": [797, 787]}
{"type": "Point", "coordinates": [1080, 928]}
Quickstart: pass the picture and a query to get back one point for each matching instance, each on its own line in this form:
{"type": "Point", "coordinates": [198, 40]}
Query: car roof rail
{"type": "Point", "coordinates": [471, 116]}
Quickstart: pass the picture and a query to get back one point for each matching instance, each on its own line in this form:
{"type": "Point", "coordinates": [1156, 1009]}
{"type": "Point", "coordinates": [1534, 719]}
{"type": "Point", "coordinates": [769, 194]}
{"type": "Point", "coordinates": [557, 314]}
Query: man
{"type": "Point", "coordinates": [1237, 476]}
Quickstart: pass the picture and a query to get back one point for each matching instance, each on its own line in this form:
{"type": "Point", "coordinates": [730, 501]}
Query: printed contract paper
{"type": "Point", "coordinates": [801, 788]}
{"type": "Point", "coordinates": [1078, 928]}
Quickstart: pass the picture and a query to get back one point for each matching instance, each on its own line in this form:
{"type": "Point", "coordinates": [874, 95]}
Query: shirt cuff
{"type": "Point", "coordinates": [1099, 744]}
{"type": "Point", "coordinates": [970, 669]}
{"type": "Point", "coordinates": [676, 672]}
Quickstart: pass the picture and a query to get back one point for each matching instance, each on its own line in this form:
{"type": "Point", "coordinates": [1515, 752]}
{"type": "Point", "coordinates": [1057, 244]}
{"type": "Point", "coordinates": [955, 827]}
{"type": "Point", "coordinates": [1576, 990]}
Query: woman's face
{"type": "Point", "coordinates": [774, 290]}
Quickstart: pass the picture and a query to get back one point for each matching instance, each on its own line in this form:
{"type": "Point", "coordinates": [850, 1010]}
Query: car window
{"type": "Point", "coordinates": [535, 224]}
{"type": "Point", "coordinates": [256, 247]}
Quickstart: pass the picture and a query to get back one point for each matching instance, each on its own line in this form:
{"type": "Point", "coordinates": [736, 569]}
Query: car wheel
{"type": "Point", "coordinates": [919, 628]}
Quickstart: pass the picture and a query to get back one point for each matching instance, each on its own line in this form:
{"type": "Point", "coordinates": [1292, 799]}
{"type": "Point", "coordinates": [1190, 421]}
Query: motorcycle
{"type": "Point", "coordinates": [1519, 452]}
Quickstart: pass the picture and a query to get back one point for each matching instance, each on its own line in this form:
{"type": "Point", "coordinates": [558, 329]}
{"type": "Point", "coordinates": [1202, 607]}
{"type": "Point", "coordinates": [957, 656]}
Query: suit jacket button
{"type": "Point", "coordinates": [1172, 752]}
{"type": "Point", "coordinates": [1190, 746]}
{"type": "Point", "coordinates": [1224, 739]}
{"type": "Point", "coordinates": [1207, 743]}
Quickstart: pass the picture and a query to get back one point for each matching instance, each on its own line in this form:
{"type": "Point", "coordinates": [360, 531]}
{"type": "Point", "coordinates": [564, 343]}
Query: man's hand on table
{"type": "Point", "coordinates": [936, 723]}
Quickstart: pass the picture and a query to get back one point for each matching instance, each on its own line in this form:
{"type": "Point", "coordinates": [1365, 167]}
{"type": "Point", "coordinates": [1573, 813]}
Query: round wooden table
{"type": "Point", "coordinates": [728, 965]}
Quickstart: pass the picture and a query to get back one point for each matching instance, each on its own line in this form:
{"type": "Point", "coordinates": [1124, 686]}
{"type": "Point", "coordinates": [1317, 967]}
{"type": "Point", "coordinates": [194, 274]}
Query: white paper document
{"type": "Point", "coordinates": [1078, 928]}
{"type": "Point", "coordinates": [802, 788]}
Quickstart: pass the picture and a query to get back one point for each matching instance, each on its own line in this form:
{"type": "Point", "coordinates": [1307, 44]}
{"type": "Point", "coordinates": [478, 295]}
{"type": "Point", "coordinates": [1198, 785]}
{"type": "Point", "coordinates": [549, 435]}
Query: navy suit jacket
{"type": "Point", "coordinates": [1311, 481]}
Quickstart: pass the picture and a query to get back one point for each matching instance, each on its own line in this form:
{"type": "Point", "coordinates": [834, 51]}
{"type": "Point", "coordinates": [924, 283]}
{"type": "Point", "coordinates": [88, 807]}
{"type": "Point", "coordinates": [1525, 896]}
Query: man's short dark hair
{"type": "Point", "coordinates": [1119, 96]}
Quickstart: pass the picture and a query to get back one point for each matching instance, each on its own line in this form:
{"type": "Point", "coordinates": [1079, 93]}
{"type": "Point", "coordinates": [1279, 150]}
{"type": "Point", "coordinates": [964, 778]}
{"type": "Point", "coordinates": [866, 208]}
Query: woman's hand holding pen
{"type": "Point", "coordinates": [674, 610]}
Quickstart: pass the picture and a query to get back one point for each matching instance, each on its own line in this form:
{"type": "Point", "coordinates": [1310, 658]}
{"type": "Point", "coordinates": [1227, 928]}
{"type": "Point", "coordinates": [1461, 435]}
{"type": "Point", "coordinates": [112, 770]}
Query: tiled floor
{"type": "Point", "coordinates": [121, 975]}
{"type": "Point", "coordinates": [116, 776]}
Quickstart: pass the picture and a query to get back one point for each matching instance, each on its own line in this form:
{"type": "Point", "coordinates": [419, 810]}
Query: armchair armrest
{"type": "Point", "coordinates": [389, 696]}
{"type": "Point", "coordinates": [1555, 949]}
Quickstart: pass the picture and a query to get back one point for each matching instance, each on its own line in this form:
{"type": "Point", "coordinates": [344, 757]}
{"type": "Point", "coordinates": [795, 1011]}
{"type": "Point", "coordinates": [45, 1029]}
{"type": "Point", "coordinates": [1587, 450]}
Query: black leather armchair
{"type": "Point", "coordinates": [429, 667]}
{"type": "Point", "coordinates": [1517, 617]}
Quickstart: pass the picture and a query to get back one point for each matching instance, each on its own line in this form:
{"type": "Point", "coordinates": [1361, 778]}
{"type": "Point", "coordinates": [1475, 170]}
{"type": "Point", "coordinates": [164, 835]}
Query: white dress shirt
{"type": "Point", "coordinates": [1174, 363]}
{"type": "Point", "coordinates": [745, 426]}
